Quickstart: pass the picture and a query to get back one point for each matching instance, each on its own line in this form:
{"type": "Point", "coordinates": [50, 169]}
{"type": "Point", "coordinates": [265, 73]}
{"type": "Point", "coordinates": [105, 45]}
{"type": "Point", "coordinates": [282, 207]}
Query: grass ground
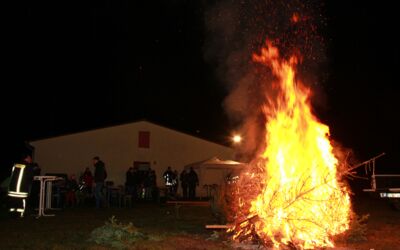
{"type": "Point", "coordinates": [71, 228]}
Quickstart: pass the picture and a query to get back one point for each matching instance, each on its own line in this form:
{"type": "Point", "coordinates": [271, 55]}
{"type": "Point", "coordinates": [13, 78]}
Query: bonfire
{"type": "Point", "coordinates": [292, 194]}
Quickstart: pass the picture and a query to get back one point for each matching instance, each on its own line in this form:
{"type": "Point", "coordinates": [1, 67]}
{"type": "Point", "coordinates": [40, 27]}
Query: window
{"type": "Point", "coordinates": [144, 139]}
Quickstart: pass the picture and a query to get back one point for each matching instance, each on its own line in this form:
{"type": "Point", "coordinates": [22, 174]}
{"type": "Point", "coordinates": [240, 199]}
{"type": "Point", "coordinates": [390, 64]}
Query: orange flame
{"type": "Point", "coordinates": [302, 202]}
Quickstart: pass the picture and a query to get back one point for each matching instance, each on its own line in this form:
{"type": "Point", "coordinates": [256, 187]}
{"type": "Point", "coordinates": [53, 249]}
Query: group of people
{"type": "Point", "coordinates": [81, 190]}
{"type": "Point", "coordinates": [141, 184]}
{"type": "Point", "coordinates": [23, 190]}
{"type": "Point", "coordinates": [188, 179]}
{"type": "Point", "coordinates": [88, 186]}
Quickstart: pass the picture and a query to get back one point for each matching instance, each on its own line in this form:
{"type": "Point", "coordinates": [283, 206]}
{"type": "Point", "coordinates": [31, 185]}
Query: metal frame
{"type": "Point", "coordinates": [45, 193]}
{"type": "Point", "coordinates": [391, 193]}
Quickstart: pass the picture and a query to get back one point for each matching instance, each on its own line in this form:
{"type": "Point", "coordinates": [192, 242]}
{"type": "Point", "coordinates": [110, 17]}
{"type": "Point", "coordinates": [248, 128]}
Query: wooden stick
{"type": "Point", "coordinates": [217, 226]}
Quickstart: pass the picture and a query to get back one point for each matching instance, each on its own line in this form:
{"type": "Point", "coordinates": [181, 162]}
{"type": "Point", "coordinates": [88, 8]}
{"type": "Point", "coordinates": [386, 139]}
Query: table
{"type": "Point", "coordinates": [45, 181]}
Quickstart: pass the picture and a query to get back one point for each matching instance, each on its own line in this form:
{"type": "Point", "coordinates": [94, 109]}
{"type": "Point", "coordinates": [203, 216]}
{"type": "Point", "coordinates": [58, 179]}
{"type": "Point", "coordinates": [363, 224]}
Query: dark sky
{"type": "Point", "coordinates": [72, 66]}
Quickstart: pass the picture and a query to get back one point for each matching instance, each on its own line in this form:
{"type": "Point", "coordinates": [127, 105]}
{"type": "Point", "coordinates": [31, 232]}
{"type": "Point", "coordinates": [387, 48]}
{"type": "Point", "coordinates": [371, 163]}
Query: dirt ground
{"type": "Point", "coordinates": [70, 228]}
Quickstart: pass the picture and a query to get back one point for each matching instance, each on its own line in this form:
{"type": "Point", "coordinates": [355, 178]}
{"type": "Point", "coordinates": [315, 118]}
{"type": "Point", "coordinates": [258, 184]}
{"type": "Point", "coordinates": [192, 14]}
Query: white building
{"type": "Point", "coordinates": [143, 143]}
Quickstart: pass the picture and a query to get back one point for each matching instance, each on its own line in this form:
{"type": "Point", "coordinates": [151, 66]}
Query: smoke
{"type": "Point", "coordinates": [236, 29]}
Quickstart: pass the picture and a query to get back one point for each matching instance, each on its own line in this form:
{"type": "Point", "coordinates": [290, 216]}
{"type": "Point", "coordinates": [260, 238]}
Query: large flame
{"type": "Point", "coordinates": [302, 202]}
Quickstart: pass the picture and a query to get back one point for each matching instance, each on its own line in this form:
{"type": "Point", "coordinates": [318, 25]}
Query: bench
{"type": "Point", "coordinates": [179, 204]}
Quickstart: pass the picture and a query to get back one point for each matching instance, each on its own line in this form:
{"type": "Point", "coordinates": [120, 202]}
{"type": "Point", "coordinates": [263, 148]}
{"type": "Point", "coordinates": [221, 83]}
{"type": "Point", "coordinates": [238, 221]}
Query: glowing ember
{"type": "Point", "coordinates": [295, 18]}
{"type": "Point", "coordinates": [300, 201]}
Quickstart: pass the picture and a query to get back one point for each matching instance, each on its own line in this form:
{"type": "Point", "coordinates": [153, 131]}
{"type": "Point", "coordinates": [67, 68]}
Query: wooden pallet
{"type": "Point", "coordinates": [179, 204]}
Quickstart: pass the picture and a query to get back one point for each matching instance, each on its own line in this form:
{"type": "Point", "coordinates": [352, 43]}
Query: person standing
{"type": "Point", "coordinates": [153, 184]}
{"type": "Point", "coordinates": [184, 183]}
{"type": "Point", "coordinates": [193, 181]}
{"type": "Point", "coordinates": [100, 175]}
{"type": "Point", "coordinates": [88, 181]}
{"type": "Point", "coordinates": [130, 181]}
{"type": "Point", "coordinates": [168, 177]}
{"type": "Point", "coordinates": [71, 187]}
{"type": "Point", "coordinates": [175, 183]}
{"type": "Point", "coordinates": [147, 185]}
{"type": "Point", "coordinates": [34, 196]}
{"type": "Point", "coordinates": [20, 185]}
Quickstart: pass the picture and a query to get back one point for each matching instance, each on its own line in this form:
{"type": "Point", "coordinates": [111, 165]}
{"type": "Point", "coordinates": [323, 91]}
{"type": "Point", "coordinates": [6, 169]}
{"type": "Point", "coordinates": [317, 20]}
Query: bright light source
{"type": "Point", "coordinates": [236, 138]}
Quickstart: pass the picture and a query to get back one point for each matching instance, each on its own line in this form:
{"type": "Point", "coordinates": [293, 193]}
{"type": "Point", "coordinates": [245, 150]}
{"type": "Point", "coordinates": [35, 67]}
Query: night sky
{"type": "Point", "coordinates": [74, 66]}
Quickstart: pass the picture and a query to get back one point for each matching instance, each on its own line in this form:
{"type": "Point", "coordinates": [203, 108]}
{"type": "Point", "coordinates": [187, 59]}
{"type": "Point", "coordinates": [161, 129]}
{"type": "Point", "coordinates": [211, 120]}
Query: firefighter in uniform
{"type": "Point", "coordinates": [168, 179]}
{"type": "Point", "coordinates": [20, 185]}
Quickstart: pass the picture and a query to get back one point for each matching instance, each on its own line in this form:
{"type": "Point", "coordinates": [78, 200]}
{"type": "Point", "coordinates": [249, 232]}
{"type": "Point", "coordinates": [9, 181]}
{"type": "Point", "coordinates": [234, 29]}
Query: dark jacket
{"type": "Point", "coordinates": [100, 173]}
{"type": "Point", "coordinates": [184, 178]}
{"type": "Point", "coordinates": [130, 178]}
{"type": "Point", "coordinates": [192, 179]}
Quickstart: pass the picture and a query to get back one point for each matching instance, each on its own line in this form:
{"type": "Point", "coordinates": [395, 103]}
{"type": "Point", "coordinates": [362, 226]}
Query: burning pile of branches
{"type": "Point", "coordinates": [245, 220]}
{"type": "Point", "coordinates": [292, 195]}
{"type": "Point", "coordinates": [239, 209]}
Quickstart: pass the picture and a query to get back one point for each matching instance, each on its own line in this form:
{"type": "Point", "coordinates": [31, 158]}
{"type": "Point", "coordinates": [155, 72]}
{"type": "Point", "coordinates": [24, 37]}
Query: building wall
{"type": "Point", "coordinates": [118, 147]}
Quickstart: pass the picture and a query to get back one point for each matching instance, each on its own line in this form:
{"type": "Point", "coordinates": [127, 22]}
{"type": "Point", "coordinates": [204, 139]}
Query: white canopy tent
{"type": "Point", "coordinates": [214, 171]}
